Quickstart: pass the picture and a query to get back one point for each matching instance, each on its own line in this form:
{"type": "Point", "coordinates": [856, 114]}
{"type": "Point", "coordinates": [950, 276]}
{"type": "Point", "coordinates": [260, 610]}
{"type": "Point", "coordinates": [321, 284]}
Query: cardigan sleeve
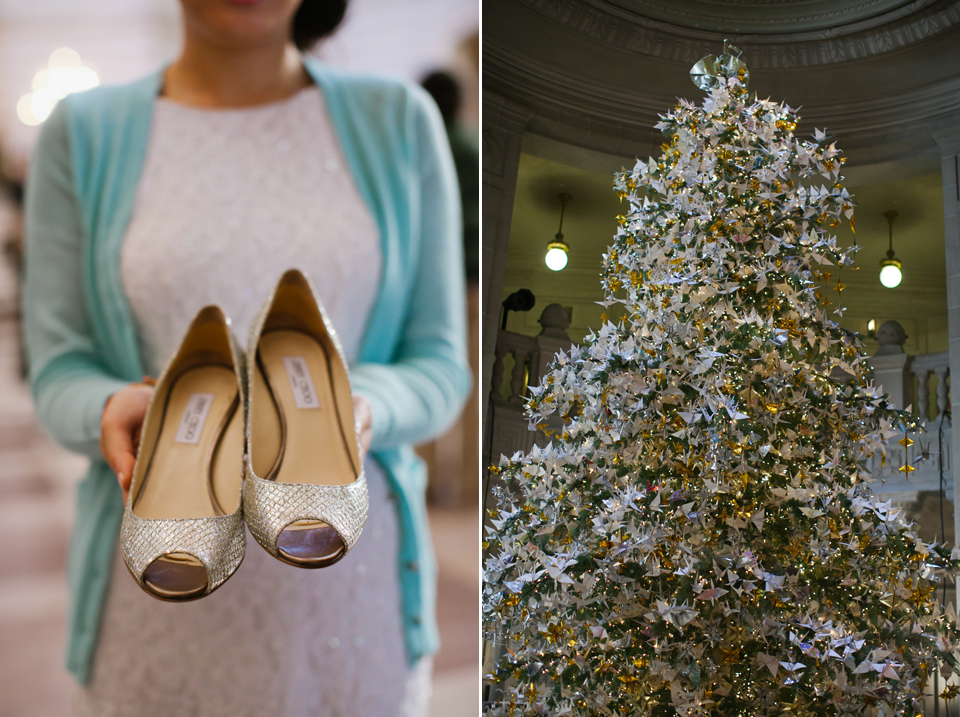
{"type": "Point", "coordinates": [69, 384]}
{"type": "Point", "coordinates": [421, 392]}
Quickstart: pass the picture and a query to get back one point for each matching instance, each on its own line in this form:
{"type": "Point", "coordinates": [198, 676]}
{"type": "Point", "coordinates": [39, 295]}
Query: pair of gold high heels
{"type": "Point", "coordinates": [264, 436]}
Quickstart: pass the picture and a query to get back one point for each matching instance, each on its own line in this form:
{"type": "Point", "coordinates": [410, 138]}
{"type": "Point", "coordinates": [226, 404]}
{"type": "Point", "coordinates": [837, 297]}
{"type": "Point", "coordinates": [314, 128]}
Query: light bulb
{"type": "Point", "coordinates": [890, 276]}
{"type": "Point", "coordinates": [556, 258]}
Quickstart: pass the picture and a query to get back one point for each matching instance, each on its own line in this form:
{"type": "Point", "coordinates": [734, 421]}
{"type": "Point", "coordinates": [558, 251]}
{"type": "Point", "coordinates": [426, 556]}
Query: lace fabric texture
{"type": "Point", "coordinates": [229, 200]}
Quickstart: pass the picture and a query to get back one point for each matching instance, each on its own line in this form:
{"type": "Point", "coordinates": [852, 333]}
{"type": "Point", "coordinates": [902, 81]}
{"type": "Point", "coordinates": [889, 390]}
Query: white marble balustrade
{"type": "Point", "coordinates": [922, 384]}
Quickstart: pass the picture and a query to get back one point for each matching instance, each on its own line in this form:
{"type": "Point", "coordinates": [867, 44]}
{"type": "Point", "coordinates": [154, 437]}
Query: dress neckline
{"type": "Point", "coordinates": [311, 90]}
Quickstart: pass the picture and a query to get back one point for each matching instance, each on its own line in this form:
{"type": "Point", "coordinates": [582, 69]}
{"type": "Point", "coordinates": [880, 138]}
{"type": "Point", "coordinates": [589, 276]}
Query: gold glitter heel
{"type": "Point", "coordinates": [310, 504]}
{"type": "Point", "coordinates": [182, 533]}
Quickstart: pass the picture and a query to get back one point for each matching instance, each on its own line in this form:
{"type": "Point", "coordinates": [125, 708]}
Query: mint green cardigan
{"type": "Point", "coordinates": [81, 338]}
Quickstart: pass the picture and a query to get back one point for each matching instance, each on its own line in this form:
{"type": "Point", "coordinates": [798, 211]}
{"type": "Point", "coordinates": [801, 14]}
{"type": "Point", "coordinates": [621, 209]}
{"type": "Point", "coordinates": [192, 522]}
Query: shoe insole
{"type": "Point", "coordinates": [315, 450]}
{"type": "Point", "coordinates": [266, 427]}
{"type": "Point", "coordinates": [197, 465]}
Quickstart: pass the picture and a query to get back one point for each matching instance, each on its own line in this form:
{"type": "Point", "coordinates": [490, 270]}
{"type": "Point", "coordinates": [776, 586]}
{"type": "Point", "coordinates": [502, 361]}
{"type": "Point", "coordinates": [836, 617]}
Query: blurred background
{"type": "Point", "coordinates": [50, 47]}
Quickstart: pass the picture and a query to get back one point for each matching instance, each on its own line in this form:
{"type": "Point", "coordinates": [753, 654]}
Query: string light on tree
{"type": "Point", "coordinates": [699, 537]}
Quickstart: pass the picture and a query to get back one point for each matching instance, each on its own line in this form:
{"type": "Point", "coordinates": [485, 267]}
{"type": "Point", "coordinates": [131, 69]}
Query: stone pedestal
{"type": "Point", "coordinates": [891, 373]}
{"type": "Point", "coordinates": [548, 347]}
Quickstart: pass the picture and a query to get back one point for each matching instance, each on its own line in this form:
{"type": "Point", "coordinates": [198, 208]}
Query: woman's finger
{"type": "Point", "coordinates": [125, 473]}
{"type": "Point", "coordinates": [120, 428]}
{"type": "Point", "coordinates": [116, 443]}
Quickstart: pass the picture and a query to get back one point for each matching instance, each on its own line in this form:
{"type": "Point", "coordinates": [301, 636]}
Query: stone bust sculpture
{"type": "Point", "coordinates": [891, 338]}
{"type": "Point", "coordinates": [554, 321]}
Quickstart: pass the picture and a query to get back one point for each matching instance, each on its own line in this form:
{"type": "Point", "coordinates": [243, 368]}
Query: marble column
{"type": "Point", "coordinates": [503, 126]}
{"type": "Point", "coordinates": [949, 141]}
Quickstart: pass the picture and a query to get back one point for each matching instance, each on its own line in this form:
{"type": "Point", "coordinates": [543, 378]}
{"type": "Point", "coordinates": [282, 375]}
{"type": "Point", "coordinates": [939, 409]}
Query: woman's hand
{"type": "Point", "coordinates": [363, 420]}
{"type": "Point", "coordinates": [120, 430]}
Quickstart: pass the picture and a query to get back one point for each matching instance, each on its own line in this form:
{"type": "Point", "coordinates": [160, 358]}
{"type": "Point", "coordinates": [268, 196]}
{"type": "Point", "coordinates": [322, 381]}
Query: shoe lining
{"type": "Point", "coordinates": [189, 480]}
{"type": "Point", "coordinates": [316, 447]}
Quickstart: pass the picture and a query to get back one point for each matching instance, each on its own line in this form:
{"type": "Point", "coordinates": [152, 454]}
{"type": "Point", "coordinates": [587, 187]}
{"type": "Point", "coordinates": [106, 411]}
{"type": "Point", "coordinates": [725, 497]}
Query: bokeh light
{"type": "Point", "coordinates": [63, 75]}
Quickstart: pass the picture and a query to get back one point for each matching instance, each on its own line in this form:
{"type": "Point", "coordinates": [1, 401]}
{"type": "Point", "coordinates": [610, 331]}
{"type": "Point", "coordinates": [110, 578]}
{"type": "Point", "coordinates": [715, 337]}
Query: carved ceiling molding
{"type": "Point", "coordinates": [631, 32]}
{"type": "Point", "coordinates": [948, 140]}
{"type": "Point", "coordinates": [504, 114]}
{"type": "Point", "coordinates": [811, 19]}
{"type": "Point", "coordinates": [502, 119]}
{"type": "Point", "coordinates": [581, 111]}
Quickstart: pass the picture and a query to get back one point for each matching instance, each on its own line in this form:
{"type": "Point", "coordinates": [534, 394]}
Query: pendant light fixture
{"type": "Point", "coordinates": [556, 257]}
{"type": "Point", "coordinates": [890, 274]}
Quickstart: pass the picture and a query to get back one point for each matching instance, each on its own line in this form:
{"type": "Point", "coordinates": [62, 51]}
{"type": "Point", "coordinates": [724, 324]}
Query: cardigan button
{"type": "Point", "coordinates": [415, 619]}
{"type": "Point", "coordinates": [413, 566]}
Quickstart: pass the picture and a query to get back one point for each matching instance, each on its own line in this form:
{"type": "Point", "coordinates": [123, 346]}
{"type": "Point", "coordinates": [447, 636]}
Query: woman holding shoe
{"type": "Point", "coordinates": [201, 184]}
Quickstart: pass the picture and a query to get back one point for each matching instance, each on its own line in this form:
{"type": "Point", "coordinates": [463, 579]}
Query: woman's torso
{"type": "Point", "coordinates": [227, 201]}
{"type": "Point", "coordinates": [230, 199]}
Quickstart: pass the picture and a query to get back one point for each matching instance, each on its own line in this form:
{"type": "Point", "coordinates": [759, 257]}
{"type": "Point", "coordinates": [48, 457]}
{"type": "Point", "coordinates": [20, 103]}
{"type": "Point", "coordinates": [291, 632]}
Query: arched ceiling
{"type": "Point", "coordinates": [786, 19]}
{"type": "Point", "coordinates": [882, 75]}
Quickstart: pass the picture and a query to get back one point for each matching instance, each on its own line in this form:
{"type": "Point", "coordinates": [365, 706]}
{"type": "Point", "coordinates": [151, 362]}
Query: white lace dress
{"type": "Point", "coordinates": [228, 200]}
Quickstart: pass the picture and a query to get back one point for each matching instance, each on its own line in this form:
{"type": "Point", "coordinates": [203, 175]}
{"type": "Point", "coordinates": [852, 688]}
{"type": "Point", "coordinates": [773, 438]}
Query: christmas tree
{"type": "Point", "coordinates": [699, 538]}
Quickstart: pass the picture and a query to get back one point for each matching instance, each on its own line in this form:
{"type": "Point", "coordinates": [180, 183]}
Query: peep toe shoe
{"type": "Point", "coordinates": [305, 494]}
{"type": "Point", "coordinates": [182, 534]}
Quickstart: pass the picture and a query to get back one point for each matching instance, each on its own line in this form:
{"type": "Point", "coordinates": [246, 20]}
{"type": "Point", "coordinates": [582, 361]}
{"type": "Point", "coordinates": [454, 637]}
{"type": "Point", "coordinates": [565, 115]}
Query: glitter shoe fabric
{"type": "Point", "coordinates": [270, 507]}
{"type": "Point", "coordinates": [218, 542]}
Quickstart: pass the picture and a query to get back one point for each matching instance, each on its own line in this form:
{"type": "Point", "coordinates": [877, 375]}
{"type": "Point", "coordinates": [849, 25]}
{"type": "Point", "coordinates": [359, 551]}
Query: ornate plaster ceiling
{"type": "Point", "coordinates": [881, 74]}
{"type": "Point", "coordinates": [772, 21]}
{"type": "Point", "coordinates": [771, 17]}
